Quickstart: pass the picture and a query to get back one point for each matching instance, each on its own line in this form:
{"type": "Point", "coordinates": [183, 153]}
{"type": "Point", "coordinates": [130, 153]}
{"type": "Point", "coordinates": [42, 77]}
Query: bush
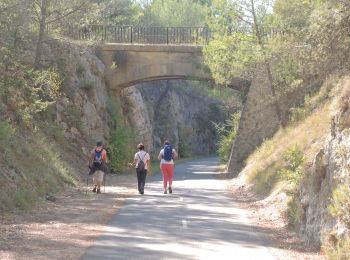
{"type": "Point", "coordinates": [340, 206]}
{"type": "Point", "coordinates": [120, 148]}
{"type": "Point", "coordinates": [185, 135]}
{"type": "Point", "coordinates": [293, 170]}
{"type": "Point", "coordinates": [6, 132]}
{"type": "Point", "coordinates": [80, 70]}
{"type": "Point", "coordinates": [74, 117]}
{"type": "Point", "coordinates": [341, 251]}
{"type": "Point", "coordinates": [297, 114]}
{"type": "Point", "coordinates": [227, 133]}
{"type": "Point", "coordinates": [87, 84]}
{"type": "Point", "coordinates": [293, 173]}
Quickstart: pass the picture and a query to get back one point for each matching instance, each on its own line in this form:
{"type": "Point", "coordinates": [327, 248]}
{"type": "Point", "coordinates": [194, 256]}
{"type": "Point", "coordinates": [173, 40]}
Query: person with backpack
{"type": "Point", "coordinates": [142, 164]}
{"type": "Point", "coordinates": [166, 157]}
{"type": "Point", "coordinates": [98, 166]}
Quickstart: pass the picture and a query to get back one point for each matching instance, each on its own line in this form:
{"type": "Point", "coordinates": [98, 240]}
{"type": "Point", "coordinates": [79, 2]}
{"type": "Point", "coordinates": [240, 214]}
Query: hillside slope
{"type": "Point", "coordinates": [298, 173]}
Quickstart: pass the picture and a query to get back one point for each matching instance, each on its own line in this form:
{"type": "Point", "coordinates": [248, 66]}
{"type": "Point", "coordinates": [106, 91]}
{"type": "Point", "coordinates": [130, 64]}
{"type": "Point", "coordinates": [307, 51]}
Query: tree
{"type": "Point", "coordinates": [47, 13]}
{"type": "Point", "coordinates": [241, 41]}
{"type": "Point", "coordinates": [13, 30]}
{"type": "Point", "coordinates": [174, 13]}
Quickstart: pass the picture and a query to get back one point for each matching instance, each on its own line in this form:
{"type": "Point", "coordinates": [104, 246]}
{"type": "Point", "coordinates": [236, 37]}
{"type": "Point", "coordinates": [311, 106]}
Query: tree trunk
{"type": "Point", "coordinates": [267, 64]}
{"type": "Point", "coordinates": [42, 26]}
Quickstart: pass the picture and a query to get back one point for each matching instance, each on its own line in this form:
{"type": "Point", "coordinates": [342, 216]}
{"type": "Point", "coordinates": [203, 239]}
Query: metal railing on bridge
{"type": "Point", "coordinates": [145, 35]}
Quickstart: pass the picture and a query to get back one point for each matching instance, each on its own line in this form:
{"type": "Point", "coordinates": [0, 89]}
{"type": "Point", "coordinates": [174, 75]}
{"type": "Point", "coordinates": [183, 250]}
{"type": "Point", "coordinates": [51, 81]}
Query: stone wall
{"type": "Point", "coordinates": [259, 119]}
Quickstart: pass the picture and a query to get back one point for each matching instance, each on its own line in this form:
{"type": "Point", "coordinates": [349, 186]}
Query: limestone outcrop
{"type": "Point", "coordinates": [167, 110]}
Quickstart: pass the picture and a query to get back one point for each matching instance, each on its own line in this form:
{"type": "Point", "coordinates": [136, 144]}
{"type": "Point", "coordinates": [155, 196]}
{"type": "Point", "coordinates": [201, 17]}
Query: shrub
{"type": "Point", "coordinates": [340, 206]}
{"type": "Point", "coordinates": [297, 114]}
{"type": "Point", "coordinates": [6, 132]}
{"type": "Point", "coordinates": [120, 148]}
{"type": "Point", "coordinates": [87, 84]}
{"type": "Point", "coordinates": [74, 117]}
{"type": "Point", "coordinates": [341, 251]}
{"type": "Point", "coordinates": [80, 70]}
{"type": "Point", "coordinates": [227, 133]}
{"type": "Point", "coordinates": [293, 173]}
{"type": "Point", "coordinates": [185, 135]}
{"type": "Point", "coordinates": [293, 170]}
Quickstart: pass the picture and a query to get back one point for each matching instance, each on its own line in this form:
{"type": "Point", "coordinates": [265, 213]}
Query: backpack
{"type": "Point", "coordinates": [98, 157]}
{"type": "Point", "coordinates": [168, 152]}
{"type": "Point", "coordinates": [141, 165]}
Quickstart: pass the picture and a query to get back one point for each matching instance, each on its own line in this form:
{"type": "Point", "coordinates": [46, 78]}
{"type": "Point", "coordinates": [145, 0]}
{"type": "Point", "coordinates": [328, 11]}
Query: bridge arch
{"type": "Point", "coordinates": [131, 64]}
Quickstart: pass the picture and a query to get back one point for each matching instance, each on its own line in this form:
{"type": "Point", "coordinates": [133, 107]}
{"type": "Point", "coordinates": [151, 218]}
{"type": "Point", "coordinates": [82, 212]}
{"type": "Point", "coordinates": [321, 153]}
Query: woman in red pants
{"type": "Point", "coordinates": [166, 157]}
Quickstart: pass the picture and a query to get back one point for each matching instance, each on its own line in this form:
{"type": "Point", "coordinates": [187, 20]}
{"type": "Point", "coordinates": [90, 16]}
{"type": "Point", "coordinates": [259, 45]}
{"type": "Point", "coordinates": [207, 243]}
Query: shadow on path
{"type": "Point", "coordinates": [197, 221]}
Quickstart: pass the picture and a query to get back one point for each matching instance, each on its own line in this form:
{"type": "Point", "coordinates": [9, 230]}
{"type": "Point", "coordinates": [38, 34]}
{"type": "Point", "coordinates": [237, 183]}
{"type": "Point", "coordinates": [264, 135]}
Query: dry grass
{"type": "Point", "coordinates": [308, 135]}
{"type": "Point", "coordinates": [32, 167]}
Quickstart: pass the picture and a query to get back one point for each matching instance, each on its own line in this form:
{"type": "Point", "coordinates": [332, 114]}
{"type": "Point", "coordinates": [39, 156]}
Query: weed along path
{"type": "Point", "coordinates": [197, 221]}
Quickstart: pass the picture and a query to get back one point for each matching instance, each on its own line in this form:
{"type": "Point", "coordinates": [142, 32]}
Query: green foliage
{"type": "Point", "coordinates": [87, 84]}
{"type": "Point", "coordinates": [294, 210]}
{"type": "Point", "coordinates": [340, 206]}
{"type": "Point", "coordinates": [30, 93]}
{"type": "Point", "coordinates": [121, 146]}
{"type": "Point", "coordinates": [34, 166]}
{"type": "Point", "coordinates": [185, 135]}
{"type": "Point", "coordinates": [231, 56]}
{"type": "Point", "coordinates": [80, 70]}
{"type": "Point", "coordinates": [293, 172]}
{"type": "Point", "coordinates": [227, 133]}
{"type": "Point", "coordinates": [74, 117]}
{"type": "Point", "coordinates": [293, 169]}
{"type": "Point", "coordinates": [298, 114]}
{"type": "Point", "coordinates": [341, 251]}
{"type": "Point", "coordinates": [174, 13]}
{"type": "Point", "coordinates": [311, 103]}
{"type": "Point", "coordinates": [114, 12]}
{"type": "Point", "coordinates": [6, 132]}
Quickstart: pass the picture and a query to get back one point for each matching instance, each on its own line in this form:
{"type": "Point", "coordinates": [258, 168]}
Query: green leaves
{"type": "Point", "coordinates": [227, 133]}
{"type": "Point", "coordinates": [174, 13]}
{"type": "Point", "coordinates": [231, 56]}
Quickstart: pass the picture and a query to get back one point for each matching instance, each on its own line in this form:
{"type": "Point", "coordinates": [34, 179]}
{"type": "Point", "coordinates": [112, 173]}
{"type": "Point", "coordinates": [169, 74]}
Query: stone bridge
{"type": "Point", "coordinates": [131, 64]}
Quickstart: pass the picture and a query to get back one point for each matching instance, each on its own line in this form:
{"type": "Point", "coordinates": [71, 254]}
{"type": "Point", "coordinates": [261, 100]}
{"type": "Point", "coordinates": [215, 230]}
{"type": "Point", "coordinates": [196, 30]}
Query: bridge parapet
{"type": "Point", "coordinates": [137, 34]}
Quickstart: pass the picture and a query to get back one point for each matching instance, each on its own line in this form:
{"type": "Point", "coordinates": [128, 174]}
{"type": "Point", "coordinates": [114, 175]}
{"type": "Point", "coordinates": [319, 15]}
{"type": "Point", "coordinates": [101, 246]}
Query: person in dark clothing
{"type": "Point", "coordinates": [98, 166]}
{"type": "Point", "coordinates": [142, 164]}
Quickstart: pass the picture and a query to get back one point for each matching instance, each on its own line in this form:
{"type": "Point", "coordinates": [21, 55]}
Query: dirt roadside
{"type": "Point", "coordinates": [66, 228]}
{"type": "Point", "coordinates": [268, 214]}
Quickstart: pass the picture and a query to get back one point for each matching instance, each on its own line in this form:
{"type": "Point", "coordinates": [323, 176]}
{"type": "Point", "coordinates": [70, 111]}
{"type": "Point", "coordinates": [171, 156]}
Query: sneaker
{"type": "Point", "coordinates": [142, 192]}
{"type": "Point", "coordinates": [98, 191]}
{"type": "Point", "coordinates": [94, 189]}
{"type": "Point", "coordinates": [165, 192]}
{"type": "Point", "coordinates": [170, 190]}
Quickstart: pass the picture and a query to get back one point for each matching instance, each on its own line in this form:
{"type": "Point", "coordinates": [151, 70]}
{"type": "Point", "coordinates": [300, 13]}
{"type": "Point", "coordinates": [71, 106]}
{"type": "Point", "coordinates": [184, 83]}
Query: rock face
{"type": "Point", "coordinates": [259, 120]}
{"type": "Point", "coordinates": [329, 170]}
{"type": "Point", "coordinates": [172, 110]}
{"type": "Point", "coordinates": [83, 111]}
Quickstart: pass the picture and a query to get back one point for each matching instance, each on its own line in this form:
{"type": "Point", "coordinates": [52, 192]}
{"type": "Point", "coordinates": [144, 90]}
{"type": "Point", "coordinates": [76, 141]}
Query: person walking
{"type": "Point", "coordinates": [142, 164]}
{"type": "Point", "coordinates": [98, 166]}
{"type": "Point", "coordinates": [166, 157]}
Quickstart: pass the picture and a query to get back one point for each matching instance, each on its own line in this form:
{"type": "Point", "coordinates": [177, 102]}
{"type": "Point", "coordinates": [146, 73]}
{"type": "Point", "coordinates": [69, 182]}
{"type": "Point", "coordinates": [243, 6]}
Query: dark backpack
{"type": "Point", "coordinates": [168, 152]}
{"type": "Point", "coordinates": [141, 165]}
{"type": "Point", "coordinates": [98, 157]}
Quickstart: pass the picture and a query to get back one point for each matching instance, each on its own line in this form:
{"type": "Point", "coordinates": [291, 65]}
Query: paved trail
{"type": "Point", "coordinates": [197, 221]}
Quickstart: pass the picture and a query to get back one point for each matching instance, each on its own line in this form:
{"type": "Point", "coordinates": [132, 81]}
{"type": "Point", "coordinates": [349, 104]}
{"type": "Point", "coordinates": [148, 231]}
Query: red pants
{"type": "Point", "coordinates": [168, 174]}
